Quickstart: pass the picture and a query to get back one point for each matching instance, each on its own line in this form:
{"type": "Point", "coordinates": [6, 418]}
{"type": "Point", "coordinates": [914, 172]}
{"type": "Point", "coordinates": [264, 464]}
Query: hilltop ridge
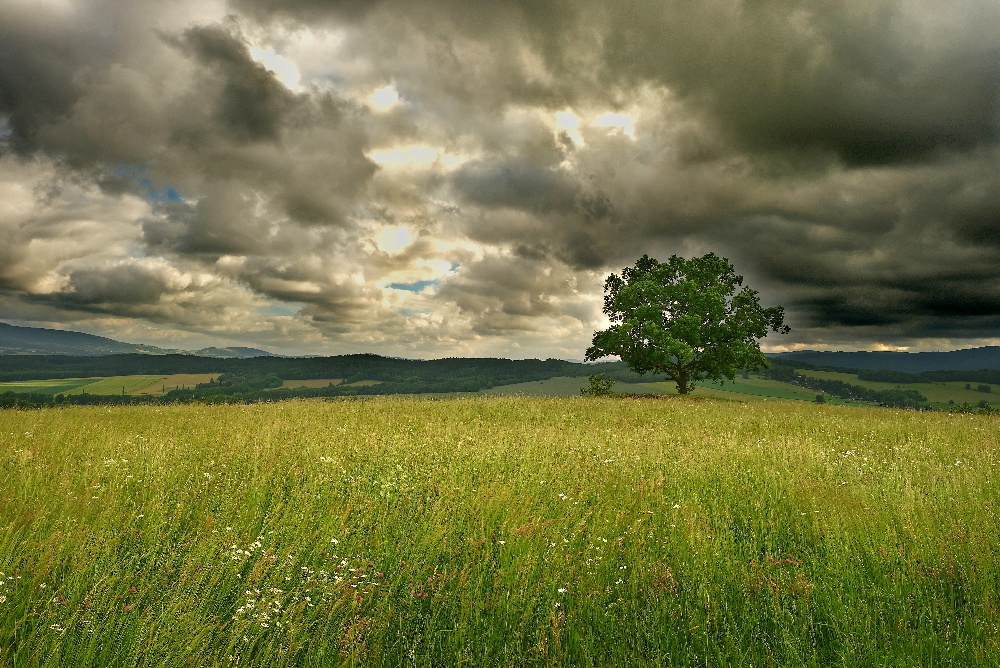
{"type": "Point", "coordinates": [16, 340]}
{"type": "Point", "coordinates": [969, 359]}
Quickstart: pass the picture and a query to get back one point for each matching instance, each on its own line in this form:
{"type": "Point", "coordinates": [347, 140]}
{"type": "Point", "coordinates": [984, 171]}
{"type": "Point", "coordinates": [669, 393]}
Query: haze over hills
{"type": "Point", "coordinates": [971, 359]}
{"type": "Point", "coordinates": [16, 340]}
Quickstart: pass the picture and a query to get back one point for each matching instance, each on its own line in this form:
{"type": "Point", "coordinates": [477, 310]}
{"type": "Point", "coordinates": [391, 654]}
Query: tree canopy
{"type": "Point", "coordinates": [685, 318]}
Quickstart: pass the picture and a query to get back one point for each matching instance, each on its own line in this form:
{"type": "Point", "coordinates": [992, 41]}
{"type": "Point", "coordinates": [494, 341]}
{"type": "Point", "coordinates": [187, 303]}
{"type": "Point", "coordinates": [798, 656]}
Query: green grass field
{"type": "Point", "coordinates": [54, 386]}
{"type": "Point", "coordinates": [741, 389]}
{"type": "Point", "coordinates": [938, 394]}
{"type": "Point", "coordinates": [498, 531]}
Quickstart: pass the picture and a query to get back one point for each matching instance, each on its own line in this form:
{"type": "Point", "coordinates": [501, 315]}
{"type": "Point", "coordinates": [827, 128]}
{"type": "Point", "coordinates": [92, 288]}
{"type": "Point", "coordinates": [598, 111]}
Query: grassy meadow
{"type": "Point", "coordinates": [498, 531]}
{"type": "Point", "coordinates": [740, 389]}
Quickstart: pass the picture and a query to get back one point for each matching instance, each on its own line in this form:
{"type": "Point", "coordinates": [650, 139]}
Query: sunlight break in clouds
{"type": "Point", "coordinates": [617, 121]}
{"type": "Point", "coordinates": [394, 238]}
{"type": "Point", "coordinates": [415, 156]}
{"type": "Point", "coordinates": [384, 99]}
{"type": "Point", "coordinates": [568, 122]}
{"type": "Point", "coordinates": [284, 69]}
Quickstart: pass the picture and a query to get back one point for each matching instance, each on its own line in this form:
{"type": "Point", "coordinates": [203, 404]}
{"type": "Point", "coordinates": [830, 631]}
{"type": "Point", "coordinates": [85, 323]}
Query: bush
{"type": "Point", "coordinates": [599, 386]}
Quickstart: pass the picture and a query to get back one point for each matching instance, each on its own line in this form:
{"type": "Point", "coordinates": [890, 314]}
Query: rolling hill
{"type": "Point", "coordinates": [970, 359]}
{"type": "Point", "coordinates": [16, 340]}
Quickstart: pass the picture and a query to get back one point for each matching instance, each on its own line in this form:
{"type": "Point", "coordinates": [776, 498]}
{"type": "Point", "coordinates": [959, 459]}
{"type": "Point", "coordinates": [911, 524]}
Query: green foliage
{"type": "Point", "coordinates": [598, 386]}
{"type": "Point", "coordinates": [684, 318]}
{"type": "Point", "coordinates": [984, 388]}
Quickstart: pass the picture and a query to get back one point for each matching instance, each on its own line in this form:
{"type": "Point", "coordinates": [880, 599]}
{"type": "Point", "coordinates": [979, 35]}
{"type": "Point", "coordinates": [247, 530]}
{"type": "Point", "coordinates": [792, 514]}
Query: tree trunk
{"type": "Point", "coordinates": [682, 382]}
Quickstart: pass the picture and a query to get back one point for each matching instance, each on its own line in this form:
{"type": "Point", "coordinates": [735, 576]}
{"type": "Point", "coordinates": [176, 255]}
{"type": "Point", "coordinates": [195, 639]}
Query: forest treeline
{"type": "Point", "coordinates": [349, 368]}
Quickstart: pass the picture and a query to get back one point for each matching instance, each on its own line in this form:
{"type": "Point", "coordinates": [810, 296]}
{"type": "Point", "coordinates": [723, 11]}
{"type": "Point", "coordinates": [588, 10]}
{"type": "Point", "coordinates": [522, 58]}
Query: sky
{"type": "Point", "coordinates": [441, 178]}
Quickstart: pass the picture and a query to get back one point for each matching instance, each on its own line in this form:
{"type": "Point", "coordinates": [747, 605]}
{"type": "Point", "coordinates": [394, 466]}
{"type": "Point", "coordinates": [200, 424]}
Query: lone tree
{"type": "Point", "coordinates": [685, 319]}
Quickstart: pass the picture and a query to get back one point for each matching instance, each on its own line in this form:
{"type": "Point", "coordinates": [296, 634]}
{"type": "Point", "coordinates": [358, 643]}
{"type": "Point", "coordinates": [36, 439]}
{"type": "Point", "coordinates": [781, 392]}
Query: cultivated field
{"type": "Point", "coordinates": [53, 386]}
{"type": "Point", "coordinates": [117, 385]}
{"type": "Point", "coordinates": [162, 384]}
{"type": "Point", "coordinates": [109, 385]}
{"type": "Point", "coordinates": [498, 532]}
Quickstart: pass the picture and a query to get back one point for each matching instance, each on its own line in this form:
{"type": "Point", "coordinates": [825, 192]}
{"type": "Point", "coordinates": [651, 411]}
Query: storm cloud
{"type": "Point", "coordinates": [440, 177]}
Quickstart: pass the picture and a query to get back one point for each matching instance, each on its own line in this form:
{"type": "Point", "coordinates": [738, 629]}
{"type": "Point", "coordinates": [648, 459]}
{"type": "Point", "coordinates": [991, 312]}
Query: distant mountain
{"type": "Point", "coordinates": [971, 359]}
{"type": "Point", "coordinates": [16, 340]}
{"type": "Point", "coordinates": [232, 351]}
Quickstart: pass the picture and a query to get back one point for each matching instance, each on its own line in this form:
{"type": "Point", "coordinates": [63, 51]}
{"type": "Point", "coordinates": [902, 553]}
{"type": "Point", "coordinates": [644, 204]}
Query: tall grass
{"type": "Point", "coordinates": [498, 532]}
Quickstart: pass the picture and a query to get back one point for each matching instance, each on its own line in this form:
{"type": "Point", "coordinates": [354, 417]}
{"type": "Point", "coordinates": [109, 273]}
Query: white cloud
{"type": "Point", "coordinates": [384, 99]}
{"type": "Point", "coordinates": [285, 69]}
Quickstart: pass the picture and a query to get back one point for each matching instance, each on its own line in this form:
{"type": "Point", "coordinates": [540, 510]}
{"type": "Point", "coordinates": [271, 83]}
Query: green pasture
{"type": "Point", "coordinates": [741, 389]}
{"type": "Point", "coordinates": [763, 387]}
{"type": "Point", "coordinates": [53, 386]}
{"type": "Point", "coordinates": [562, 386]}
{"type": "Point", "coordinates": [498, 531]}
{"type": "Point", "coordinates": [938, 394]}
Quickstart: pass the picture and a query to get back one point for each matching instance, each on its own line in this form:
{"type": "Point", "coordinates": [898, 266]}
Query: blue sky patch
{"type": "Point", "coordinates": [415, 286]}
{"type": "Point", "coordinates": [137, 175]}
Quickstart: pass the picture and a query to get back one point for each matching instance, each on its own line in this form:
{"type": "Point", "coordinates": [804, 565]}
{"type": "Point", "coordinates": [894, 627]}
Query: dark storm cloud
{"type": "Point", "coordinates": [37, 64]}
{"type": "Point", "coordinates": [123, 285]}
{"type": "Point", "coordinates": [221, 223]}
{"type": "Point", "coordinates": [251, 103]}
{"type": "Point", "coordinates": [516, 186]}
{"type": "Point", "coordinates": [872, 82]}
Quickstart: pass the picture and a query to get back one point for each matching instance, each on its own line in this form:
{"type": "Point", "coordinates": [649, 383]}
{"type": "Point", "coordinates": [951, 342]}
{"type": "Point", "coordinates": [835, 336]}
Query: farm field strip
{"type": "Point", "coordinates": [498, 531]}
{"type": "Point", "coordinates": [116, 385]}
{"type": "Point", "coordinates": [53, 386]}
{"type": "Point", "coordinates": [176, 381]}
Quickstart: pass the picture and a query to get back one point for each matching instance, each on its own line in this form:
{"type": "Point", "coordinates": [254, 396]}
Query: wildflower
{"type": "Point", "coordinates": [562, 590]}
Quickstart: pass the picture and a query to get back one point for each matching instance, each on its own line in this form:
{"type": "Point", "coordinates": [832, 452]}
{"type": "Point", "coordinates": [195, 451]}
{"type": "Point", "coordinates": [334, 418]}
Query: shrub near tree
{"type": "Point", "coordinates": [688, 319]}
{"type": "Point", "coordinates": [598, 386]}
